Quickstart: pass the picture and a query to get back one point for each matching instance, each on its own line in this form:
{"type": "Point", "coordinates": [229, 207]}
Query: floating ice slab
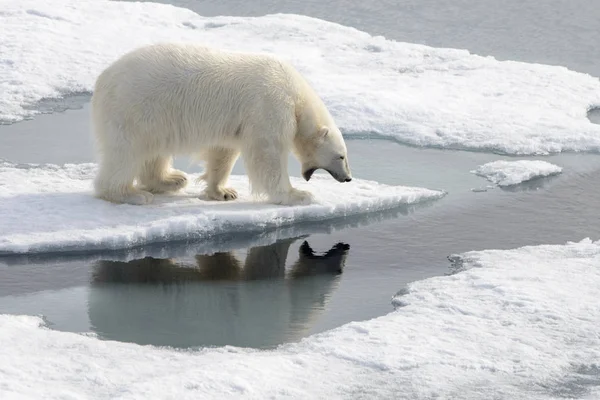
{"type": "Point", "coordinates": [416, 94]}
{"type": "Point", "coordinates": [211, 244]}
{"type": "Point", "coordinates": [507, 173]}
{"type": "Point", "coordinates": [510, 324]}
{"type": "Point", "coordinates": [51, 208]}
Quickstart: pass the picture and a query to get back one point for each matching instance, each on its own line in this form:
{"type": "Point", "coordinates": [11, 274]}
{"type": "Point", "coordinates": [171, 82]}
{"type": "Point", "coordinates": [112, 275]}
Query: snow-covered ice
{"type": "Point", "coordinates": [416, 94]}
{"type": "Point", "coordinates": [47, 208]}
{"type": "Point", "coordinates": [507, 173]}
{"type": "Point", "coordinates": [209, 245]}
{"type": "Point", "coordinates": [518, 324]}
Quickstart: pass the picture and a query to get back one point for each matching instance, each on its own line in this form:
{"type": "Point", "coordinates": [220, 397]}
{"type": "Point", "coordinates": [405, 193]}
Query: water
{"type": "Point", "coordinates": [264, 295]}
{"type": "Point", "coordinates": [594, 115]}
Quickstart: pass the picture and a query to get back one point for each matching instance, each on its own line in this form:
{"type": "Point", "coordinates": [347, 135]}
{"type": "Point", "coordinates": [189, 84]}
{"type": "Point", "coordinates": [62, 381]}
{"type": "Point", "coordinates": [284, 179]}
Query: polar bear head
{"type": "Point", "coordinates": [324, 150]}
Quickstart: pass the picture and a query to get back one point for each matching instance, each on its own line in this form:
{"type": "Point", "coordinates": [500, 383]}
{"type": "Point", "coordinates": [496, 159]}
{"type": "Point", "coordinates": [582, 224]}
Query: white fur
{"type": "Point", "coordinates": [184, 99]}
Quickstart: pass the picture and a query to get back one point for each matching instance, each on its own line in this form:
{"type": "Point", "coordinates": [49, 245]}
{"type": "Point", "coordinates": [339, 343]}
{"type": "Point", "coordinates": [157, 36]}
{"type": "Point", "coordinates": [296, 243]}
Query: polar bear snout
{"type": "Point", "coordinates": [340, 178]}
{"type": "Point", "coordinates": [339, 170]}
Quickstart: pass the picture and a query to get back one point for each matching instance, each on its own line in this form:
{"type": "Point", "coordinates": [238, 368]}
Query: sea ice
{"type": "Point", "coordinates": [518, 324]}
{"type": "Point", "coordinates": [507, 173]}
{"type": "Point", "coordinates": [47, 208]}
{"type": "Point", "coordinates": [416, 94]}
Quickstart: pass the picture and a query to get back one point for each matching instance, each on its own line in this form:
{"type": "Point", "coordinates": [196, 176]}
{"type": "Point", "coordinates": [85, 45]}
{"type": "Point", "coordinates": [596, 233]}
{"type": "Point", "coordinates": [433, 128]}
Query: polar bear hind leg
{"type": "Point", "coordinates": [157, 176]}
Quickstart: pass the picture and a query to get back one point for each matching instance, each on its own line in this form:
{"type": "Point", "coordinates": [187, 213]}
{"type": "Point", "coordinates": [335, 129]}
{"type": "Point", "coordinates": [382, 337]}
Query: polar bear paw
{"type": "Point", "coordinates": [172, 182]}
{"type": "Point", "coordinates": [221, 194]}
{"type": "Point", "coordinates": [294, 197]}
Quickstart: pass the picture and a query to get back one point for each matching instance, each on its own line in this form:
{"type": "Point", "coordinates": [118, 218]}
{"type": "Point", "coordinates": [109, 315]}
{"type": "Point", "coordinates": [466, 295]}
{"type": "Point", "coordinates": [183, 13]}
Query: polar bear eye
{"type": "Point", "coordinates": [342, 157]}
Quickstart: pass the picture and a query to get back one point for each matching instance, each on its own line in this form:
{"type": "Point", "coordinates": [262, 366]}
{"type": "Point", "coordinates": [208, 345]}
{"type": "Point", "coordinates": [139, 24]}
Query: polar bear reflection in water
{"type": "Point", "coordinates": [217, 299]}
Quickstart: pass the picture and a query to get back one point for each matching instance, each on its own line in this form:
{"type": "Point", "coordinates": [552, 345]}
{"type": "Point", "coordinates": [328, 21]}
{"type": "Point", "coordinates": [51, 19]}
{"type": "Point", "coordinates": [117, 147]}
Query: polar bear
{"type": "Point", "coordinates": [170, 99]}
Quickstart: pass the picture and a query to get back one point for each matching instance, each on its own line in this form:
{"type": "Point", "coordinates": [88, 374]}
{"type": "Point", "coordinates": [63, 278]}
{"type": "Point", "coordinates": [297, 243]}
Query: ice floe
{"type": "Point", "coordinates": [45, 208]}
{"type": "Point", "coordinates": [508, 173]}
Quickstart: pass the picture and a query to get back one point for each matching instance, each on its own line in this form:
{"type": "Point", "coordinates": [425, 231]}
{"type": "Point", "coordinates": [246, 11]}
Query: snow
{"type": "Point", "coordinates": [507, 173]}
{"type": "Point", "coordinates": [519, 324]}
{"type": "Point", "coordinates": [416, 94]}
{"type": "Point", "coordinates": [46, 208]}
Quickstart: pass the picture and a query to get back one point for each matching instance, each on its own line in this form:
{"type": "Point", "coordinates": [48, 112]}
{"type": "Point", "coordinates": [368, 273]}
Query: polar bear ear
{"type": "Point", "coordinates": [323, 131]}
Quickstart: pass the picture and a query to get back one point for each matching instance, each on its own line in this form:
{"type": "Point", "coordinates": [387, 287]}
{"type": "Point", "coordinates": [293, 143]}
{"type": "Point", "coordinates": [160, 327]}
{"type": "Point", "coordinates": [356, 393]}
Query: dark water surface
{"type": "Point", "coordinates": [255, 292]}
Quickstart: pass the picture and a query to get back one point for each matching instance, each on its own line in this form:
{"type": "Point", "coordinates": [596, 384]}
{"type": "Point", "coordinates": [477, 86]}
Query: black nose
{"type": "Point", "coordinates": [347, 179]}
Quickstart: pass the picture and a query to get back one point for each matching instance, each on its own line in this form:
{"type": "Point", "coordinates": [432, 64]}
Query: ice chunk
{"type": "Point", "coordinates": [519, 323]}
{"type": "Point", "coordinates": [416, 94]}
{"type": "Point", "coordinates": [51, 208]}
{"type": "Point", "coordinates": [507, 173]}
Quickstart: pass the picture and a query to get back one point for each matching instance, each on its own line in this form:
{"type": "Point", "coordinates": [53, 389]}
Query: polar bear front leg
{"type": "Point", "coordinates": [219, 163]}
{"type": "Point", "coordinates": [115, 177]}
{"type": "Point", "coordinates": [267, 168]}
